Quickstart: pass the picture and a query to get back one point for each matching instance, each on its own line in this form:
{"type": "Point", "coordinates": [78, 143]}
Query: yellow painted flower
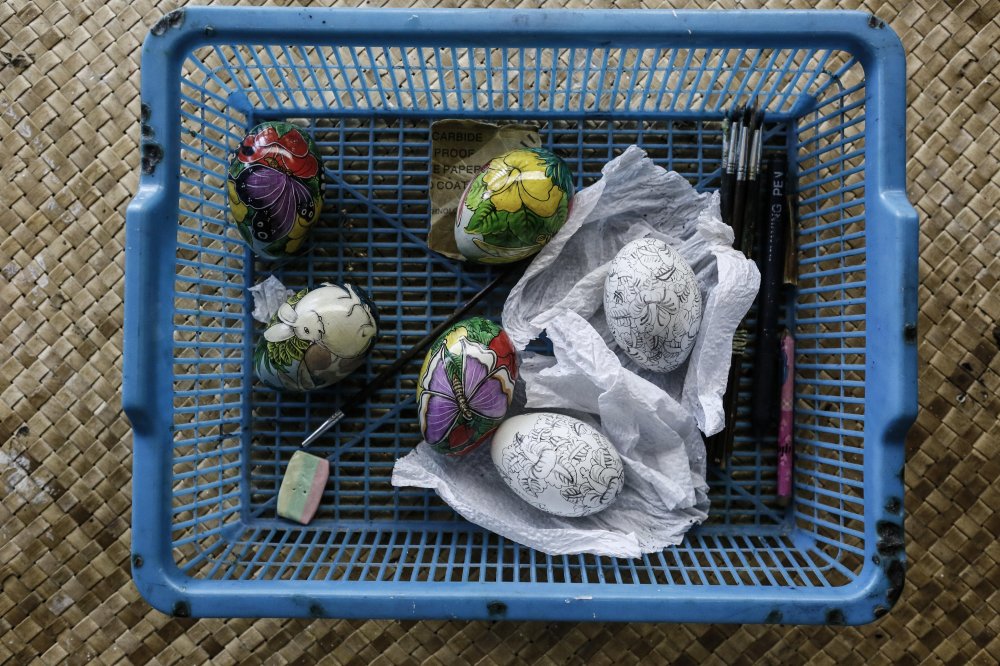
{"type": "Point", "coordinates": [518, 180]}
{"type": "Point", "coordinates": [235, 205]}
{"type": "Point", "coordinates": [301, 228]}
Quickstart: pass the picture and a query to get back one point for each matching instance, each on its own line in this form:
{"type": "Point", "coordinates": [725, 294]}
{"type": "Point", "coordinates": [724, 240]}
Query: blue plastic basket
{"type": "Point", "coordinates": [210, 443]}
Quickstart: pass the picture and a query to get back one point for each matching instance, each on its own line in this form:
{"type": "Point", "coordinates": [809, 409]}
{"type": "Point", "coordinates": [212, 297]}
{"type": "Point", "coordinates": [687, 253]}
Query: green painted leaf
{"type": "Point", "coordinates": [316, 189]}
{"type": "Point", "coordinates": [487, 220]}
{"type": "Point", "coordinates": [556, 170]}
{"type": "Point", "coordinates": [475, 194]}
{"type": "Point", "coordinates": [280, 356]}
{"type": "Point", "coordinates": [244, 230]}
{"type": "Point", "coordinates": [481, 330]}
{"type": "Point", "coordinates": [279, 127]}
{"type": "Point", "coordinates": [558, 219]}
{"type": "Point", "coordinates": [235, 167]}
{"type": "Point", "coordinates": [532, 230]}
{"type": "Point", "coordinates": [260, 355]}
{"type": "Point", "coordinates": [292, 300]}
{"type": "Point", "coordinates": [453, 364]}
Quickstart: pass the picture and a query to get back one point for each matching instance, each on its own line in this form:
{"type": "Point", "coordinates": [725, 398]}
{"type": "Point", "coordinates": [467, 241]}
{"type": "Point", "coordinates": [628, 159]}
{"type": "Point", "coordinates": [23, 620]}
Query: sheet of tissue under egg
{"type": "Point", "coordinates": [652, 419]}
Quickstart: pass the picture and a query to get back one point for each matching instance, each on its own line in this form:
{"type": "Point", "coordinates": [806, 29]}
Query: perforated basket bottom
{"type": "Point", "coordinates": [372, 233]}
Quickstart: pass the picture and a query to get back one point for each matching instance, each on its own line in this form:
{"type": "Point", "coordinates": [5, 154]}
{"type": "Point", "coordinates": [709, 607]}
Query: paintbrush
{"type": "Point", "coordinates": [731, 155]}
{"type": "Point", "coordinates": [745, 148]}
{"type": "Point", "coordinates": [751, 212]}
{"type": "Point", "coordinates": [742, 170]}
{"type": "Point", "coordinates": [380, 380]}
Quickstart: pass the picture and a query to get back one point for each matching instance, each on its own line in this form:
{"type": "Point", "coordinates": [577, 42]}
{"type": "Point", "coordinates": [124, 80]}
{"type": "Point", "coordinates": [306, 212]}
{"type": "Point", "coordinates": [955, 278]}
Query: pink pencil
{"type": "Point", "coordinates": [785, 419]}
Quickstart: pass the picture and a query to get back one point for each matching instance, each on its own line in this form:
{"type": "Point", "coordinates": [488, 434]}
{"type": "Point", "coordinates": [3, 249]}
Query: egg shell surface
{"type": "Point", "coordinates": [316, 338]}
{"type": "Point", "coordinates": [466, 385]}
{"type": "Point", "coordinates": [558, 464]}
{"type": "Point", "coordinates": [275, 185]}
{"type": "Point", "coordinates": [652, 303]}
{"type": "Point", "coordinates": [514, 206]}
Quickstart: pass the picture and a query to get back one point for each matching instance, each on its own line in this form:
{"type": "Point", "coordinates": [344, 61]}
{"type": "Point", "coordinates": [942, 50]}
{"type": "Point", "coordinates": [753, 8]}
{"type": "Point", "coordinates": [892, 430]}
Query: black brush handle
{"type": "Point", "coordinates": [772, 261]}
{"type": "Point", "coordinates": [759, 238]}
{"type": "Point", "coordinates": [388, 373]}
{"type": "Point", "coordinates": [362, 396]}
{"type": "Point", "coordinates": [739, 212]}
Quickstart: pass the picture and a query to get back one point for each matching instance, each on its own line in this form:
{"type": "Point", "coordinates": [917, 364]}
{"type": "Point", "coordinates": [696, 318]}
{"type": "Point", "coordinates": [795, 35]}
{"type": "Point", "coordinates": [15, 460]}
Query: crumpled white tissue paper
{"type": "Point", "coordinates": [267, 298]}
{"type": "Point", "coordinates": [653, 419]}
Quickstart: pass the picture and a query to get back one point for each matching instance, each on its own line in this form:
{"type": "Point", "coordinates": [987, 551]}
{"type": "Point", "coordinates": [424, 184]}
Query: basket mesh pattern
{"type": "Point", "coordinates": [369, 110]}
{"type": "Point", "coordinates": [69, 109]}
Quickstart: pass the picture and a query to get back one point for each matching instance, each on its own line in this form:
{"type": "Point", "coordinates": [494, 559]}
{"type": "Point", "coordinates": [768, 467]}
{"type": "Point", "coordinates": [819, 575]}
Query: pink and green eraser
{"type": "Point", "coordinates": [302, 487]}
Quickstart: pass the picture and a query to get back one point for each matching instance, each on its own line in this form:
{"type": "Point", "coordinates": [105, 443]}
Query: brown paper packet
{"type": "Point", "coordinates": [459, 151]}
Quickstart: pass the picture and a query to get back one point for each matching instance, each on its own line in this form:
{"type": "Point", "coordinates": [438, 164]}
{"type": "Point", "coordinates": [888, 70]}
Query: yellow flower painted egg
{"type": "Point", "coordinates": [513, 207]}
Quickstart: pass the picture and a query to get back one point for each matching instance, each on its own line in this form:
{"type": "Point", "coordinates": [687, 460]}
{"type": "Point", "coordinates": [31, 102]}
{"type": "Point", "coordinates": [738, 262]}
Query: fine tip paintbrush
{"type": "Point", "coordinates": [749, 225]}
{"type": "Point", "coordinates": [742, 171]}
{"type": "Point", "coordinates": [744, 227]}
{"type": "Point", "coordinates": [380, 380]}
{"type": "Point", "coordinates": [723, 164]}
{"type": "Point", "coordinates": [731, 154]}
{"type": "Point", "coordinates": [742, 191]}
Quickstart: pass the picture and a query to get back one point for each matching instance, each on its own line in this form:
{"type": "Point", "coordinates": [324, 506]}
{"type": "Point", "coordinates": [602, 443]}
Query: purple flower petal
{"type": "Point", "coordinates": [489, 398]}
{"type": "Point", "coordinates": [280, 195]}
{"type": "Point", "coordinates": [439, 416]}
{"type": "Point", "coordinates": [474, 370]}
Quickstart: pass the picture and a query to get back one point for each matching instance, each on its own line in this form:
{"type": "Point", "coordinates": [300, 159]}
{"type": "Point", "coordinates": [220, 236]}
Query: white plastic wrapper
{"type": "Point", "coordinates": [267, 298]}
{"type": "Point", "coordinates": [652, 419]}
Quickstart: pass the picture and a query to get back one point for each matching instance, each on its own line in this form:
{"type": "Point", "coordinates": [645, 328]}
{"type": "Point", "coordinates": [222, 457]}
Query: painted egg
{"type": "Point", "coordinates": [653, 304]}
{"type": "Point", "coordinates": [558, 464]}
{"type": "Point", "coordinates": [316, 338]}
{"type": "Point", "coordinates": [465, 385]}
{"type": "Point", "coordinates": [513, 207]}
{"type": "Point", "coordinates": [275, 188]}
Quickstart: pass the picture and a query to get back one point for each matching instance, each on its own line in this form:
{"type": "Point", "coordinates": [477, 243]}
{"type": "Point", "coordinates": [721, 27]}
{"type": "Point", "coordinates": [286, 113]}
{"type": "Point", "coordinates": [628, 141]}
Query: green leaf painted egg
{"type": "Point", "coordinates": [275, 188]}
{"type": "Point", "coordinates": [316, 338]}
{"type": "Point", "coordinates": [514, 206]}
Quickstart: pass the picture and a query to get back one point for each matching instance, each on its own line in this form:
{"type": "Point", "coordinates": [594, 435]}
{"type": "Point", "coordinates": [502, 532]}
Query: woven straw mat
{"type": "Point", "coordinates": [69, 121]}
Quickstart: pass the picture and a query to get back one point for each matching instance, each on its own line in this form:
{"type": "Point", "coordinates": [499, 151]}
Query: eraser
{"type": "Point", "coordinates": [302, 487]}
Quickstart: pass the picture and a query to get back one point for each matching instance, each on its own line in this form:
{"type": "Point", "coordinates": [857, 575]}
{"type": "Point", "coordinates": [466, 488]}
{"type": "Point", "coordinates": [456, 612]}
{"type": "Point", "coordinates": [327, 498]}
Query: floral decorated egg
{"type": "Point", "coordinates": [558, 464]}
{"type": "Point", "coordinates": [652, 303]}
{"type": "Point", "coordinates": [514, 206]}
{"type": "Point", "coordinates": [316, 338]}
{"type": "Point", "coordinates": [465, 385]}
{"type": "Point", "coordinates": [275, 188]}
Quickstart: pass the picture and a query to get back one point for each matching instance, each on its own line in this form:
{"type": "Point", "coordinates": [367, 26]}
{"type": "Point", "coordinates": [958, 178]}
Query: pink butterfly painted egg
{"type": "Point", "coordinates": [466, 385]}
{"type": "Point", "coordinates": [275, 188]}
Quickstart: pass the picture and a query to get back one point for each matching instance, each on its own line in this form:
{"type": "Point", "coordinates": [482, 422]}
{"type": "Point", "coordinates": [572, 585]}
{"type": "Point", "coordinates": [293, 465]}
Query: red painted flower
{"type": "Point", "coordinates": [289, 153]}
{"type": "Point", "coordinates": [504, 349]}
{"type": "Point", "coordinates": [459, 439]}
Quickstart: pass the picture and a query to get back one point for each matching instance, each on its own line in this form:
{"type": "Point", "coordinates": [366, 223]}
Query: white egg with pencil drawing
{"type": "Point", "coordinates": [558, 464]}
{"type": "Point", "coordinates": [653, 304]}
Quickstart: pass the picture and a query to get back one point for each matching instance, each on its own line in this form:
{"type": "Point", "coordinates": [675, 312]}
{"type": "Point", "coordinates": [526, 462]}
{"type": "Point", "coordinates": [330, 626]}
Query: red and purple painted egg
{"type": "Point", "coordinates": [466, 385]}
{"type": "Point", "coordinates": [275, 188]}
